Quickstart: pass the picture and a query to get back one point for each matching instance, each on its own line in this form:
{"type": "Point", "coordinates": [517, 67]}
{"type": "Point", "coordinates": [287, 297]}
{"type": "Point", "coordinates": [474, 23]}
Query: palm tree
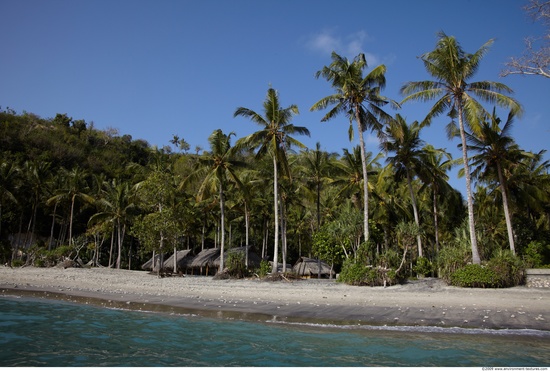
{"type": "Point", "coordinates": [435, 176]}
{"type": "Point", "coordinates": [116, 204]}
{"type": "Point", "coordinates": [496, 151]}
{"type": "Point", "coordinates": [404, 140]}
{"type": "Point", "coordinates": [453, 68]}
{"type": "Point", "coordinates": [316, 169]}
{"type": "Point", "coordinates": [214, 168]}
{"type": "Point", "coordinates": [8, 174]}
{"type": "Point", "coordinates": [75, 187]}
{"type": "Point", "coordinates": [359, 98]}
{"type": "Point", "coordinates": [273, 139]}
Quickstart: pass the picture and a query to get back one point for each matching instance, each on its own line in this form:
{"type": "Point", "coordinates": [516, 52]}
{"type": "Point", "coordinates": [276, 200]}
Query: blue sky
{"type": "Point", "coordinates": [156, 68]}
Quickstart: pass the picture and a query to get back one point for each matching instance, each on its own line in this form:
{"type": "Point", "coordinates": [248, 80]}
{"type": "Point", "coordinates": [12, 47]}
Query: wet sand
{"type": "Point", "coordinates": [425, 302]}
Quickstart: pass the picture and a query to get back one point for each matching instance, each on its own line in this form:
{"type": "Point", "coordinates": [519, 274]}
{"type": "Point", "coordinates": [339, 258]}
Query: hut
{"type": "Point", "coordinates": [183, 257]}
{"type": "Point", "coordinates": [280, 267]}
{"type": "Point", "coordinates": [254, 259]}
{"type": "Point", "coordinates": [148, 265]}
{"type": "Point", "coordinates": [307, 267]}
{"type": "Point", "coordinates": [203, 262]}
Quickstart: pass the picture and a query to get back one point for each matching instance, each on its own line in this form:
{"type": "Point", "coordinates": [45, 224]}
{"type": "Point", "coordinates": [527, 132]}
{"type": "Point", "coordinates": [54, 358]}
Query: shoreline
{"type": "Point", "coordinates": [424, 303]}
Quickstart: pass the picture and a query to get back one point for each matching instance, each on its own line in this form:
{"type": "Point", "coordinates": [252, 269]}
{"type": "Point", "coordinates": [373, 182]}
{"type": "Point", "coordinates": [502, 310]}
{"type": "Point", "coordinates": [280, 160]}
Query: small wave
{"type": "Point", "coordinates": [421, 329]}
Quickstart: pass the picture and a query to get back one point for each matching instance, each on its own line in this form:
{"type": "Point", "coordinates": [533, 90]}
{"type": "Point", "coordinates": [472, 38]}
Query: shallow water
{"type": "Point", "coordinates": [42, 332]}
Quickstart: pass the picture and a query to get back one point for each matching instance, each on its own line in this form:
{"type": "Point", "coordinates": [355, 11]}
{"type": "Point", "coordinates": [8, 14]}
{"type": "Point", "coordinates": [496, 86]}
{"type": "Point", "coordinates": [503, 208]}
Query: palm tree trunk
{"type": "Point", "coordinates": [71, 221]}
{"type": "Point", "coordinates": [471, 222]}
{"type": "Point", "coordinates": [415, 212]}
{"type": "Point", "coordinates": [436, 221]}
{"type": "Point", "coordinates": [222, 228]}
{"type": "Point", "coordinates": [52, 228]}
{"type": "Point", "coordinates": [276, 208]}
{"type": "Point", "coordinates": [506, 209]}
{"type": "Point", "coordinates": [365, 179]}
{"type": "Point", "coordinates": [119, 255]}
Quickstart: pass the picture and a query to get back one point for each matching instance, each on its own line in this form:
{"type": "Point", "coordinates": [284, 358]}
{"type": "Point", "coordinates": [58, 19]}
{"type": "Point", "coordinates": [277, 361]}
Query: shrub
{"type": "Point", "coordinates": [353, 273]}
{"type": "Point", "coordinates": [508, 268]}
{"type": "Point", "coordinates": [533, 256]}
{"type": "Point", "coordinates": [423, 266]}
{"type": "Point", "coordinates": [474, 275]}
{"type": "Point", "coordinates": [265, 269]}
{"type": "Point", "coordinates": [236, 266]}
{"type": "Point", "coordinates": [452, 258]}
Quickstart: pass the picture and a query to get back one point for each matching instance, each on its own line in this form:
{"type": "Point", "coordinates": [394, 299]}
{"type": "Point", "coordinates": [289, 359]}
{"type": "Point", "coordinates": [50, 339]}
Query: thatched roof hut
{"type": "Point", "coordinates": [254, 259]}
{"type": "Point", "coordinates": [183, 257]}
{"type": "Point", "coordinates": [307, 267]}
{"type": "Point", "coordinates": [280, 267]}
{"type": "Point", "coordinates": [204, 261]}
{"type": "Point", "coordinates": [148, 265]}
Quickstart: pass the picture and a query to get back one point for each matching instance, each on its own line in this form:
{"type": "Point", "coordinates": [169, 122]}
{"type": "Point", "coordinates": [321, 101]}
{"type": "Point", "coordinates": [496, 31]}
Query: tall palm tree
{"type": "Point", "coordinates": [8, 173]}
{"type": "Point", "coordinates": [358, 97]}
{"type": "Point", "coordinates": [453, 69]}
{"type": "Point", "coordinates": [496, 156]}
{"type": "Point", "coordinates": [407, 160]}
{"type": "Point", "coordinates": [274, 139]}
{"type": "Point", "coordinates": [316, 168]}
{"type": "Point", "coordinates": [75, 187]}
{"type": "Point", "coordinates": [116, 206]}
{"type": "Point", "coordinates": [215, 167]}
{"type": "Point", "coordinates": [435, 176]}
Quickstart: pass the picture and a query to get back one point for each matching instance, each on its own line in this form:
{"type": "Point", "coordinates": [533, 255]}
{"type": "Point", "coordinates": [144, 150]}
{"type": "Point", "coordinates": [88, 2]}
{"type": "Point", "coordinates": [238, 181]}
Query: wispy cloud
{"type": "Point", "coordinates": [349, 45]}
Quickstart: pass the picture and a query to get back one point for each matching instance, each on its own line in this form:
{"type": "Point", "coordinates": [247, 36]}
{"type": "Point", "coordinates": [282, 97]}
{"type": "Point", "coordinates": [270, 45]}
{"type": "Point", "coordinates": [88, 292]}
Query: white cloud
{"type": "Point", "coordinates": [347, 46]}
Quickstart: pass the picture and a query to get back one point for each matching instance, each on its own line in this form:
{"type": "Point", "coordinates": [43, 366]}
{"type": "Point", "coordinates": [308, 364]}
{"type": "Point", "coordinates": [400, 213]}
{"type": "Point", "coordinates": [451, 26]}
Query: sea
{"type": "Point", "coordinates": [36, 332]}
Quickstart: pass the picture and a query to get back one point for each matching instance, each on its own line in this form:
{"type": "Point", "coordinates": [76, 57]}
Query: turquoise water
{"type": "Point", "coordinates": [42, 332]}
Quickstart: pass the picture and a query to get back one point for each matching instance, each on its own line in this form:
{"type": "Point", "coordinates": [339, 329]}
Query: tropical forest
{"type": "Point", "coordinates": [376, 215]}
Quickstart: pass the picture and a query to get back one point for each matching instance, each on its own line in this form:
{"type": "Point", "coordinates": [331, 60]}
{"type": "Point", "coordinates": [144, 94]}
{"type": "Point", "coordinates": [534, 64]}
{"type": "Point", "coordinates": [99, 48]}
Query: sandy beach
{"type": "Point", "coordinates": [425, 302]}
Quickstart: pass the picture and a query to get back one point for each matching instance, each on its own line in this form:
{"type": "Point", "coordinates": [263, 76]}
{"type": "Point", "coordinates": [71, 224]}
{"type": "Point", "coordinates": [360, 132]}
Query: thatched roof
{"type": "Point", "coordinates": [254, 259]}
{"type": "Point", "coordinates": [148, 265]}
{"type": "Point", "coordinates": [183, 257]}
{"type": "Point", "coordinates": [205, 258]}
{"type": "Point", "coordinates": [310, 267]}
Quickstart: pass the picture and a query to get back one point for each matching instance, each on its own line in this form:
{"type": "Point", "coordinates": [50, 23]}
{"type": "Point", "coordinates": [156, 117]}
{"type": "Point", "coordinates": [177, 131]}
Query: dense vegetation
{"type": "Point", "coordinates": [377, 218]}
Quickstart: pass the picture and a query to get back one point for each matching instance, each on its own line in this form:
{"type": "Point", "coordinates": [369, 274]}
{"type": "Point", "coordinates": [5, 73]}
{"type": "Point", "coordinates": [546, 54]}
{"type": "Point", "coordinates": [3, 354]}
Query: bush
{"type": "Point", "coordinates": [236, 266]}
{"type": "Point", "coordinates": [265, 269]}
{"type": "Point", "coordinates": [508, 268]}
{"type": "Point", "coordinates": [474, 275]}
{"type": "Point", "coordinates": [423, 266]}
{"type": "Point", "coordinates": [359, 274]}
{"type": "Point", "coordinates": [533, 256]}
{"type": "Point", "coordinates": [452, 258]}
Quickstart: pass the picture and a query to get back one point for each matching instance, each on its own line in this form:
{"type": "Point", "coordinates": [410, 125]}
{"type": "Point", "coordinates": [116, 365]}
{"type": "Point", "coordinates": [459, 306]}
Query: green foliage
{"type": "Point", "coordinates": [503, 270]}
{"type": "Point", "coordinates": [508, 268]}
{"type": "Point", "coordinates": [236, 266]}
{"type": "Point", "coordinates": [423, 266]}
{"type": "Point", "coordinates": [474, 275]}
{"type": "Point", "coordinates": [354, 273]}
{"type": "Point", "coordinates": [533, 255]}
{"type": "Point", "coordinates": [265, 269]}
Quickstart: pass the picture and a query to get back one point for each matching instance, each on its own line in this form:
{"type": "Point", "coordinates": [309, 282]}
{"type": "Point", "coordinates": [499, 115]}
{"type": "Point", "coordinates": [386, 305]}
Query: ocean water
{"type": "Point", "coordinates": [44, 332]}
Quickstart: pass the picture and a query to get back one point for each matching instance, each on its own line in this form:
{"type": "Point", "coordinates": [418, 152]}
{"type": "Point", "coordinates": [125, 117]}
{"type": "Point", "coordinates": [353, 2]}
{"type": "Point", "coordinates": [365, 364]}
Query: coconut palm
{"type": "Point", "coordinates": [358, 97]}
{"type": "Point", "coordinates": [453, 69]}
{"type": "Point", "coordinates": [75, 187]}
{"type": "Point", "coordinates": [496, 156]}
{"type": "Point", "coordinates": [214, 168]}
{"type": "Point", "coordinates": [316, 168]}
{"type": "Point", "coordinates": [8, 174]}
{"type": "Point", "coordinates": [407, 160]}
{"type": "Point", "coordinates": [274, 139]}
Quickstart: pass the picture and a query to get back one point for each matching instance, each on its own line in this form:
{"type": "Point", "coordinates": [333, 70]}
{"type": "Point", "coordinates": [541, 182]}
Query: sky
{"type": "Point", "coordinates": [157, 68]}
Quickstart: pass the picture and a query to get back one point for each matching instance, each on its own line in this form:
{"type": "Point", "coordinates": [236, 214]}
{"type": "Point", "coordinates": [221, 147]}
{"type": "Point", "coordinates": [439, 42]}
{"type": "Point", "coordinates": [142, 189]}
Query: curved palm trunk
{"type": "Point", "coordinates": [471, 222]}
{"type": "Point", "coordinates": [506, 209]}
{"type": "Point", "coordinates": [222, 227]}
{"type": "Point", "coordinates": [365, 179]}
{"type": "Point", "coordinates": [415, 212]}
{"type": "Point", "coordinates": [276, 209]}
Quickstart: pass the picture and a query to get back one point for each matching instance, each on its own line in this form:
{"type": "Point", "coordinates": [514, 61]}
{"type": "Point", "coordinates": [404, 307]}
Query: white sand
{"type": "Point", "coordinates": [427, 302]}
